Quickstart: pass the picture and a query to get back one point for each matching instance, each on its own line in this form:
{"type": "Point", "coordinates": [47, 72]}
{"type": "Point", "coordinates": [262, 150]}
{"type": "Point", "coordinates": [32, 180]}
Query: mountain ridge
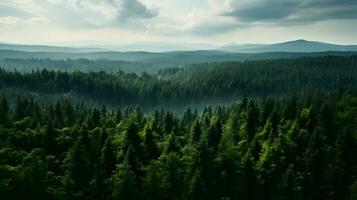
{"type": "Point", "coordinates": [297, 46]}
{"type": "Point", "coordinates": [45, 48]}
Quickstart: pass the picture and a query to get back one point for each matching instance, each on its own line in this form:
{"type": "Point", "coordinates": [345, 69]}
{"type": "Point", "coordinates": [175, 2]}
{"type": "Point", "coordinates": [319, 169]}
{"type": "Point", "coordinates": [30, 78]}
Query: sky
{"type": "Point", "coordinates": [183, 22]}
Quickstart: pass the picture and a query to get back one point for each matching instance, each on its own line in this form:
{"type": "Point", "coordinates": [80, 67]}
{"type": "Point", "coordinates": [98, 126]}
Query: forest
{"type": "Point", "coordinates": [69, 65]}
{"type": "Point", "coordinates": [270, 129]}
{"type": "Point", "coordinates": [290, 148]}
{"type": "Point", "coordinates": [199, 84]}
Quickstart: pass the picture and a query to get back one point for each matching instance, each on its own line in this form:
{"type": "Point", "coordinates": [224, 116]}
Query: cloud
{"type": "Point", "coordinates": [15, 16]}
{"type": "Point", "coordinates": [10, 20]}
{"type": "Point", "coordinates": [134, 9]}
{"type": "Point", "coordinates": [79, 13]}
{"type": "Point", "coordinates": [290, 11]}
{"type": "Point", "coordinates": [8, 10]}
{"type": "Point", "coordinates": [120, 10]}
{"type": "Point", "coordinates": [197, 22]}
{"type": "Point", "coordinates": [175, 20]}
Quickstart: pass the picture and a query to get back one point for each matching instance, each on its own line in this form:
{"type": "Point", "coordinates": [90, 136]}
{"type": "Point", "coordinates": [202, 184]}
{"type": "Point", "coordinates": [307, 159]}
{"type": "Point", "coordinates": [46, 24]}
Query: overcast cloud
{"type": "Point", "coordinates": [198, 21]}
{"type": "Point", "coordinates": [291, 11]}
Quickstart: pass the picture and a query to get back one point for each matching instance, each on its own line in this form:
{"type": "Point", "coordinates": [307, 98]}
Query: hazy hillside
{"type": "Point", "coordinates": [168, 58]}
{"type": "Point", "coordinates": [45, 48]}
{"type": "Point", "coordinates": [29, 57]}
{"type": "Point", "coordinates": [196, 84]}
{"type": "Point", "coordinates": [290, 46]}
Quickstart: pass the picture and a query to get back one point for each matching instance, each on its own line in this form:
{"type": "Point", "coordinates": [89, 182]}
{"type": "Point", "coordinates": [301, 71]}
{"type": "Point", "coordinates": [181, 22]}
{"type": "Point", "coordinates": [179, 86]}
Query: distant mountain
{"type": "Point", "coordinates": [290, 46]}
{"type": "Point", "coordinates": [292, 49]}
{"type": "Point", "coordinates": [93, 47]}
{"type": "Point", "coordinates": [297, 46]}
{"type": "Point", "coordinates": [44, 48]}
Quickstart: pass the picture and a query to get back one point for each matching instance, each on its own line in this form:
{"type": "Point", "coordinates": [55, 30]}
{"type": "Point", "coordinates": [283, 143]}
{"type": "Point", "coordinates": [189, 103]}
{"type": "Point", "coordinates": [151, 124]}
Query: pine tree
{"type": "Point", "coordinates": [252, 190]}
{"type": "Point", "coordinates": [252, 122]}
{"type": "Point", "coordinates": [96, 115]}
{"type": "Point", "coordinates": [168, 122]}
{"type": "Point", "coordinates": [214, 135]}
{"type": "Point", "coordinates": [108, 157]}
{"type": "Point", "coordinates": [151, 148]}
{"type": "Point", "coordinates": [33, 176]}
{"type": "Point", "coordinates": [153, 182]}
{"type": "Point", "coordinates": [171, 144]}
{"type": "Point", "coordinates": [59, 114]}
{"type": "Point", "coordinates": [78, 162]}
{"type": "Point", "coordinates": [124, 181]}
{"type": "Point", "coordinates": [195, 132]}
{"type": "Point", "coordinates": [50, 140]}
{"type": "Point", "coordinates": [203, 167]}
{"type": "Point", "coordinates": [4, 112]}
{"type": "Point", "coordinates": [132, 137]}
{"type": "Point", "coordinates": [173, 175]}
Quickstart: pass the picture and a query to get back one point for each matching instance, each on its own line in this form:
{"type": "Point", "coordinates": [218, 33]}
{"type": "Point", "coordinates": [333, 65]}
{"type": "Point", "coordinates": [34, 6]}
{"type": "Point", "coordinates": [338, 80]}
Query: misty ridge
{"type": "Point", "coordinates": [29, 57]}
{"type": "Point", "coordinates": [195, 84]}
{"type": "Point", "coordinates": [178, 79]}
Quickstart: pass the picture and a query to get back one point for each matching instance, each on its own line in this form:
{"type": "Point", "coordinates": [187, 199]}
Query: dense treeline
{"type": "Point", "coordinates": [205, 83]}
{"type": "Point", "coordinates": [273, 149]}
{"type": "Point", "coordinates": [83, 65]}
{"type": "Point", "coordinates": [165, 58]}
{"type": "Point", "coordinates": [116, 89]}
{"type": "Point", "coordinates": [266, 77]}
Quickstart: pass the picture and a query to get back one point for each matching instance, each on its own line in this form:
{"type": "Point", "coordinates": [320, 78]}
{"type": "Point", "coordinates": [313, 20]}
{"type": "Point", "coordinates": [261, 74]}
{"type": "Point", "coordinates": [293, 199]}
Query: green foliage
{"type": "Point", "coordinates": [199, 84]}
{"type": "Point", "coordinates": [124, 180]}
{"type": "Point", "coordinates": [273, 149]}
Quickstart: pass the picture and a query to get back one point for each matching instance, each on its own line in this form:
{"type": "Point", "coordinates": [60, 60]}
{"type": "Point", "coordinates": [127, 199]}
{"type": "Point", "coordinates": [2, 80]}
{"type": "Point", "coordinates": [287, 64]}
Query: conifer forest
{"type": "Point", "coordinates": [102, 135]}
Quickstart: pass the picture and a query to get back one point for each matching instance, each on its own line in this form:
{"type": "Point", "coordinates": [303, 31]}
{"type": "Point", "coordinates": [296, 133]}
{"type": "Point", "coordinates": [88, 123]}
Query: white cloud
{"type": "Point", "coordinates": [10, 20]}
{"type": "Point", "coordinates": [81, 13]}
{"type": "Point", "coordinates": [212, 21]}
{"type": "Point", "coordinates": [198, 21]}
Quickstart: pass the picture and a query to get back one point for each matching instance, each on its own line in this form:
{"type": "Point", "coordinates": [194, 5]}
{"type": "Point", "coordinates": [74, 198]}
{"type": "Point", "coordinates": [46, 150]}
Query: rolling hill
{"type": "Point", "coordinates": [44, 48]}
{"type": "Point", "coordinates": [138, 61]}
{"type": "Point", "coordinates": [166, 58]}
{"type": "Point", "coordinates": [290, 46]}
